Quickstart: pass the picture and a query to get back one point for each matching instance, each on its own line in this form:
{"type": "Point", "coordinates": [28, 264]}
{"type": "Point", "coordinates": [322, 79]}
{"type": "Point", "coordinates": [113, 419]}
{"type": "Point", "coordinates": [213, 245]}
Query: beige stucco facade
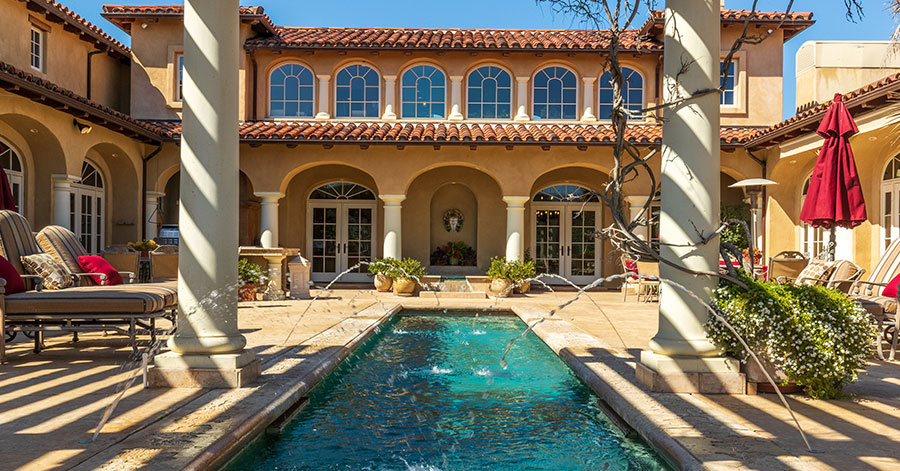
{"type": "Point", "coordinates": [828, 67]}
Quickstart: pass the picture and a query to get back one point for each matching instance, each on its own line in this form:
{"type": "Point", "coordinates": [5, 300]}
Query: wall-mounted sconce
{"type": "Point", "coordinates": [82, 128]}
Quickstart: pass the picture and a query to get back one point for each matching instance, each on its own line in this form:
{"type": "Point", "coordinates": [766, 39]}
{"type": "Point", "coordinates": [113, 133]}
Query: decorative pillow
{"type": "Point", "coordinates": [14, 282]}
{"type": "Point", "coordinates": [815, 273]}
{"type": "Point", "coordinates": [891, 289]}
{"type": "Point", "coordinates": [97, 264]}
{"type": "Point", "coordinates": [55, 275]}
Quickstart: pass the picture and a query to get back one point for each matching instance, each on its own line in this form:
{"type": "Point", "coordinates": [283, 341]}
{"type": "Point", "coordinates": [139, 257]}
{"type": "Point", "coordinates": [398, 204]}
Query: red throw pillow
{"type": "Point", "coordinates": [891, 289]}
{"type": "Point", "coordinates": [97, 264]}
{"type": "Point", "coordinates": [14, 283]}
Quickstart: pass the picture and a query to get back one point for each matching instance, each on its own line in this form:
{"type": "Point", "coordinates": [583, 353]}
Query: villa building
{"type": "Point", "coordinates": [363, 142]}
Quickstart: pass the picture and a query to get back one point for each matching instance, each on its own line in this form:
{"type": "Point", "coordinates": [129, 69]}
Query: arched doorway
{"type": "Point", "coordinates": [566, 220]}
{"type": "Point", "coordinates": [86, 204]}
{"type": "Point", "coordinates": [12, 164]}
{"type": "Point", "coordinates": [890, 203]}
{"type": "Point", "coordinates": [340, 229]}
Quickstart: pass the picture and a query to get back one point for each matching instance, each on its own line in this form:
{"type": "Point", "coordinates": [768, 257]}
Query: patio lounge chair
{"type": "Point", "coordinates": [164, 264]}
{"type": "Point", "coordinates": [786, 264]}
{"type": "Point", "coordinates": [121, 308]}
{"type": "Point", "coordinates": [839, 274]}
{"type": "Point", "coordinates": [65, 247]}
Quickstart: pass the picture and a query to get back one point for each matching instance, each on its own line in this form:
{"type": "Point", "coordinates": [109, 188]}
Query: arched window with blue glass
{"type": "Point", "coordinates": [357, 92]}
{"type": "Point", "coordinates": [423, 91]}
{"type": "Point", "coordinates": [291, 90]}
{"type": "Point", "coordinates": [555, 94]}
{"type": "Point", "coordinates": [489, 93]}
{"type": "Point", "coordinates": [632, 93]}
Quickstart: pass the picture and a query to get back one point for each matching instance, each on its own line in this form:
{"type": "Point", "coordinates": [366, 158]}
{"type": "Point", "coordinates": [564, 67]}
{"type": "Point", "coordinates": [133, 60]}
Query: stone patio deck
{"type": "Point", "coordinates": [50, 403]}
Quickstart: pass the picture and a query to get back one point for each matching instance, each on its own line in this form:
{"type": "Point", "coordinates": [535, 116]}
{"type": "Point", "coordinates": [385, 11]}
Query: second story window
{"type": "Point", "coordinates": [357, 92]}
{"type": "Point", "coordinates": [555, 94]}
{"type": "Point", "coordinates": [422, 90]}
{"type": "Point", "coordinates": [179, 76]}
{"type": "Point", "coordinates": [489, 93]}
{"type": "Point", "coordinates": [291, 91]}
{"type": "Point", "coordinates": [37, 48]}
{"type": "Point", "coordinates": [727, 98]}
{"type": "Point", "coordinates": [632, 93]}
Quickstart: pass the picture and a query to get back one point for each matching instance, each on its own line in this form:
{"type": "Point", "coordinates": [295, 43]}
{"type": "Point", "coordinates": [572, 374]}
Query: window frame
{"type": "Point", "coordinates": [379, 88]}
{"type": "Point", "coordinates": [97, 196]}
{"type": "Point", "coordinates": [512, 92]}
{"type": "Point", "coordinates": [179, 76]}
{"type": "Point", "coordinates": [889, 230]}
{"type": "Point", "coordinates": [811, 238]}
{"type": "Point", "coordinates": [600, 87]}
{"type": "Point", "coordinates": [314, 86]}
{"type": "Point", "coordinates": [41, 34]}
{"type": "Point", "coordinates": [577, 102]}
{"type": "Point", "coordinates": [16, 177]}
{"type": "Point", "coordinates": [739, 60]}
{"type": "Point", "coordinates": [447, 87]}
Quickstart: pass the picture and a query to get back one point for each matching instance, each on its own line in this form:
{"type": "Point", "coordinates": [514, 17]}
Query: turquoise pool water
{"type": "Point", "coordinates": [428, 393]}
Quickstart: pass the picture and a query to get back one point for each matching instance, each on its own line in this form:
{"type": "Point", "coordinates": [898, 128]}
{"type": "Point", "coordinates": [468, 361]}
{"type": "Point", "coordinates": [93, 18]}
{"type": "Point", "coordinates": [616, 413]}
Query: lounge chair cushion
{"type": "Point", "coordinates": [63, 245]}
{"type": "Point", "coordinates": [16, 239]}
{"type": "Point", "coordinates": [91, 300]}
{"type": "Point", "coordinates": [55, 275]}
{"type": "Point", "coordinates": [878, 305]}
{"type": "Point", "coordinates": [97, 264]}
{"type": "Point", "coordinates": [816, 272]}
{"type": "Point", "coordinates": [14, 282]}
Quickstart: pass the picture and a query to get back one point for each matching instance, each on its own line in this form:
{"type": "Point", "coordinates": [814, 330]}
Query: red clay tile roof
{"type": "Point", "coordinates": [59, 13]}
{"type": "Point", "coordinates": [122, 15]}
{"type": "Point", "coordinates": [794, 22]}
{"type": "Point", "coordinates": [862, 100]}
{"type": "Point", "coordinates": [420, 38]}
{"type": "Point", "coordinates": [443, 133]}
{"type": "Point", "coordinates": [48, 93]}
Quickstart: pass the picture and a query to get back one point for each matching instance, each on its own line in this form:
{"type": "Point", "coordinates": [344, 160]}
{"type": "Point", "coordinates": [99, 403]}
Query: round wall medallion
{"type": "Point", "coordinates": [453, 220]}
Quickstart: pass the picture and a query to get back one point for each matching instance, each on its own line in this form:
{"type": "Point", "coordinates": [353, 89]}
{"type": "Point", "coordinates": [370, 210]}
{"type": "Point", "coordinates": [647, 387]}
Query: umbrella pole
{"type": "Point", "coordinates": [831, 244]}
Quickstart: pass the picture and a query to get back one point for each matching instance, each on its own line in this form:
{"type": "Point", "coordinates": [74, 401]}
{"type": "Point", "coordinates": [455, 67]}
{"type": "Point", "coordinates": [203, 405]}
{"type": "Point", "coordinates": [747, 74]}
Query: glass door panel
{"type": "Point", "coordinates": [324, 243]}
{"type": "Point", "coordinates": [548, 240]}
{"type": "Point", "coordinates": [582, 261]}
{"type": "Point", "coordinates": [359, 238]}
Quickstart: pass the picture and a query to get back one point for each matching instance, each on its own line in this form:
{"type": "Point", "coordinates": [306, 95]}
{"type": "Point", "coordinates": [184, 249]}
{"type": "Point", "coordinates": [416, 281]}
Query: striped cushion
{"type": "Point", "coordinates": [63, 245]}
{"type": "Point", "coordinates": [878, 305]}
{"type": "Point", "coordinates": [16, 239]}
{"type": "Point", "coordinates": [89, 301]}
{"type": "Point", "coordinates": [887, 268]}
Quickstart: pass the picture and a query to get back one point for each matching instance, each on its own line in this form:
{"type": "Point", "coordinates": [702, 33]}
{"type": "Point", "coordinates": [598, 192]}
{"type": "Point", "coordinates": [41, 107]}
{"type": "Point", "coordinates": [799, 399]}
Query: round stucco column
{"type": "Point", "coordinates": [323, 99]}
{"type": "Point", "coordinates": [456, 98]}
{"type": "Point", "coordinates": [635, 207]}
{"type": "Point", "coordinates": [151, 213]}
{"type": "Point", "coordinates": [515, 227]}
{"type": "Point", "coordinates": [588, 100]}
{"type": "Point", "coordinates": [690, 175]}
{"type": "Point", "coordinates": [62, 204]}
{"type": "Point", "coordinates": [208, 213]}
{"type": "Point", "coordinates": [522, 99]}
{"type": "Point", "coordinates": [390, 97]}
{"type": "Point", "coordinates": [393, 223]}
{"type": "Point", "coordinates": [268, 218]}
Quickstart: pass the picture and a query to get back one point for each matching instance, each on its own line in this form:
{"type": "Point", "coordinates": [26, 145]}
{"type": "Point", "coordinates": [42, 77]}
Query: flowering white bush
{"type": "Point", "coordinates": [818, 336]}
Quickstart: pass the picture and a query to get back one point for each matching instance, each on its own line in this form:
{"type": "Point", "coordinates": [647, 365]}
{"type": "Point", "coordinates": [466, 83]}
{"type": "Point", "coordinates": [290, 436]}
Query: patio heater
{"type": "Point", "coordinates": [753, 190]}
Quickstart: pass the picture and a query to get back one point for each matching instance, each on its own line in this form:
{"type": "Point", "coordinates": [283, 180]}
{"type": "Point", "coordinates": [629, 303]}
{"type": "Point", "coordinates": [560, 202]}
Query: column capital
{"type": "Point", "coordinates": [522, 79]}
{"type": "Point", "coordinates": [269, 197]}
{"type": "Point", "coordinates": [457, 78]}
{"type": "Point", "coordinates": [64, 179]}
{"type": "Point", "coordinates": [324, 77]}
{"type": "Point", "coordinates": [638, 200]}
{"type": "Point", "coordinates": [392, 200]}
{"type": "Point", "coordinates": [390, 78]}
{"type": "Point", "coordinates": [515, 202]}
{"type": "Point", "coordinates": [589, 79]}
{"type": "Point", "coordinates": [154, 194]}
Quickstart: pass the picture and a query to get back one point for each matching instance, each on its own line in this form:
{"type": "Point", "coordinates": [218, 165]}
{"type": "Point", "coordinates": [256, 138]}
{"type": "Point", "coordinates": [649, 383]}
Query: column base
{"type": "Point", "coordinates": [231, 370]}
{"type": "Point", "coordinates": [684, 374]}
{"type": "Point", "coordinates": [276, 280]}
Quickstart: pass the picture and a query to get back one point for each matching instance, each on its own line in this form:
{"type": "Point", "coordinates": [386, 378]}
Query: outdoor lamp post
{"type": "Point", "coordinates": [753, 189]}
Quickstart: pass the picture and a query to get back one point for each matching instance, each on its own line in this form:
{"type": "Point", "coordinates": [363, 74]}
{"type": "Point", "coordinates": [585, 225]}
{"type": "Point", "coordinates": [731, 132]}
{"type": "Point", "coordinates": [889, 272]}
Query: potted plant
{"type": "Point", "coordinates": [381, 268]}
{"type": "Point", "coordinates": [144, 247]}
{"type": "Point", "coordinates": [406, 274]}
{"type": "Point", "coordinates": [501, 276]}
{"type": "Point", "coordinates": [250, 275]}
{"type": "Point", "coordinates": [522, 271]}
{"type": "Point", "coordinates": [811, 336]}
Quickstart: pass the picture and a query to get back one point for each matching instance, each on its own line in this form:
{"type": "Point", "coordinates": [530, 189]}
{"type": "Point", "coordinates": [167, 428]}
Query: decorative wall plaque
{"type": "Point", "coordinates": [453, 220]}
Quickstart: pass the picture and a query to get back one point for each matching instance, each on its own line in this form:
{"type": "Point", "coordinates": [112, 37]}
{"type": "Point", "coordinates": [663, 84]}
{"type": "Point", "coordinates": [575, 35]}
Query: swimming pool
{"type": "Point", "coordinates": [428, 393]}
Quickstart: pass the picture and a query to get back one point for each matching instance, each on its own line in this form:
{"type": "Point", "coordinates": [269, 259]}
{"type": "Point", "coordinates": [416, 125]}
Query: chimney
{"type": "Point", "coordinates": [722, 4]}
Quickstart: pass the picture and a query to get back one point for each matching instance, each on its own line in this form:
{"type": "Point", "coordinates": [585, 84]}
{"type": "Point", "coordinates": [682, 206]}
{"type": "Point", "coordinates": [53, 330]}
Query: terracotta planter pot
{"type": "Point", "coordinates": [755, 375]}
{"type": "Point", "coordinates": [383, 283]}
{"type": "Point", "coordinates": [247, 292]}
{"type": "Point", "coordinates": [524, 287]}
{"type": "Point", "coordinates": [501, 287]}
{"type": "Point", "coordinates": [404, 287]}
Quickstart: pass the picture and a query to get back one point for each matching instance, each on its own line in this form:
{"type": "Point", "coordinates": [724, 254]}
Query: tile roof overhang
{"type": "Point", "coordinates": [865, 99]}
{"type": "Point", "coordinates": [792, 23]}
{"type": "Point", "coordinates": [47, 93]}
{"type": "Point", "coordinates": [55, 12]}
{"type": "Point", "coordinates": [124, 15]}
{"type": "Point", "coordinates": [444, 133]}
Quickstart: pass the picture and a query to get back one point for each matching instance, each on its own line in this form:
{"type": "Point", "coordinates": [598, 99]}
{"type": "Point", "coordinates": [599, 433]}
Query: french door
{"type": "Point", "coordinates": [890, 212]}
{"type": "Point", "coordinates": [564, 241]}
{"type": "Point", "coordinates": [86, 216]}
{"type": "Point", "coordinates": [340, 236]}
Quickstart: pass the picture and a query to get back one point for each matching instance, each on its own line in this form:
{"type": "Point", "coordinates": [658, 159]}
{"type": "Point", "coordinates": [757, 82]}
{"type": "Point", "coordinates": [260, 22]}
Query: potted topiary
{"type": "Point", "coordinates": [522, 271]}
{"type": "Point", "coordinates": [810, 336]}
{"type": "Point", "coordinates": [501, 276]}
{"type": "Point", "coordinates": [381, 268]}
{"type": "Point", "coordinates": [406, 274]}
{"type": "Point", "coordinates": [250, 275]}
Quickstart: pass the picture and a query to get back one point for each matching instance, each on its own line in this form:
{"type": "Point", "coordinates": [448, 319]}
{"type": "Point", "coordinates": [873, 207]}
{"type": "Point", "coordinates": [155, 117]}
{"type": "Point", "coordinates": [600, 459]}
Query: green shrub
{"type": "Point", "coordinates": [734, 233]}
{"type": "Point", "coordinates": [406, 268]}
{"type": "Point", "coordinates": [250, 273]}
{"type": "Point", "coordinates": [818, 336]}
{"type": "Point", "coordinates": [381, 266]}
{"type": "Point", "coordinates": [521, 270]}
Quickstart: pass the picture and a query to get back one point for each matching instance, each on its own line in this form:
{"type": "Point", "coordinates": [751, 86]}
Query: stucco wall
{"type": "Point", "coordinates": [454, 196]}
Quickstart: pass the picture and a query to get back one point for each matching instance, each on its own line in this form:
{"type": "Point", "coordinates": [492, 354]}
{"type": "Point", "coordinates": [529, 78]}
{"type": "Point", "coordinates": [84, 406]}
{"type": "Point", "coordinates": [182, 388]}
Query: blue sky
{"type": "Point", "coordinates": [831, 23]}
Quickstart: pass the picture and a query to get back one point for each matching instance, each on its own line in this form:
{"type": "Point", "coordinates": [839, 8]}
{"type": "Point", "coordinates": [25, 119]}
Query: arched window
{"type": "Point", "coordinates": [342, 191]}
{"type": "Point", "coordinates": [423, 91]}
{"type": "Point", "coordinates": [86, 203]}
{"type": "Point", "coordinates": [555, 94]}
{"type": "Point", "coordinates": [890, 203]}
{"type": "Point", "coordinates": [632, 92]}
{"type": "Point", "coordinates": [566, 194]}
{"type": "Point", "coordinates": [814, 240]}
{"type": "Point", "coordinates": [489, 93]}
{"type": "Point", "coordinates": [357, 92]}
{"type": "Point", "coordinates": [12, 164]}
{"type": "Point", "coordinates": [291, 92]}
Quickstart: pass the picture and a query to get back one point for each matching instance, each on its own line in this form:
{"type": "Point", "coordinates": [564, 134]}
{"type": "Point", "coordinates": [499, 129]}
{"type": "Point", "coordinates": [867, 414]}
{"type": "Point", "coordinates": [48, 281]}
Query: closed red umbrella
{"type": "Point", "coordinates": [6, 195]}
{"type": "Point", "coordinates": [835, 197]}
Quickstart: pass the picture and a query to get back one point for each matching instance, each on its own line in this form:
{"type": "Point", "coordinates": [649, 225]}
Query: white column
{"type": "Point", "coordinates": [588, 100]}
{"type": "Point", "coordinates": [515, 227]}
{"type": "Point", "coordinates": [62, 205]}
{"type": "Point", "coordinates": [843, 249]}
{"type": "Point", "coordinates": [390, 97]}
{"type": "Point", "coordinates": [522, 98]}
{"type": "Point", "coordinates": [456, 98]}
{"type": "Point", "coordinates": [690, 175]}
{"type": "Point", "coordinates": [207, 348]}
{"type": "Point", "coordinates": [151, 214]}
{"type": "Point", "coordinates": [268, 219]}
{"type": "Point", "coordinates": [323, 101]}
{"type": "Point", "coordinates": [393, 223]}
{"type": "Point", "coordinates": [635, 206]}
